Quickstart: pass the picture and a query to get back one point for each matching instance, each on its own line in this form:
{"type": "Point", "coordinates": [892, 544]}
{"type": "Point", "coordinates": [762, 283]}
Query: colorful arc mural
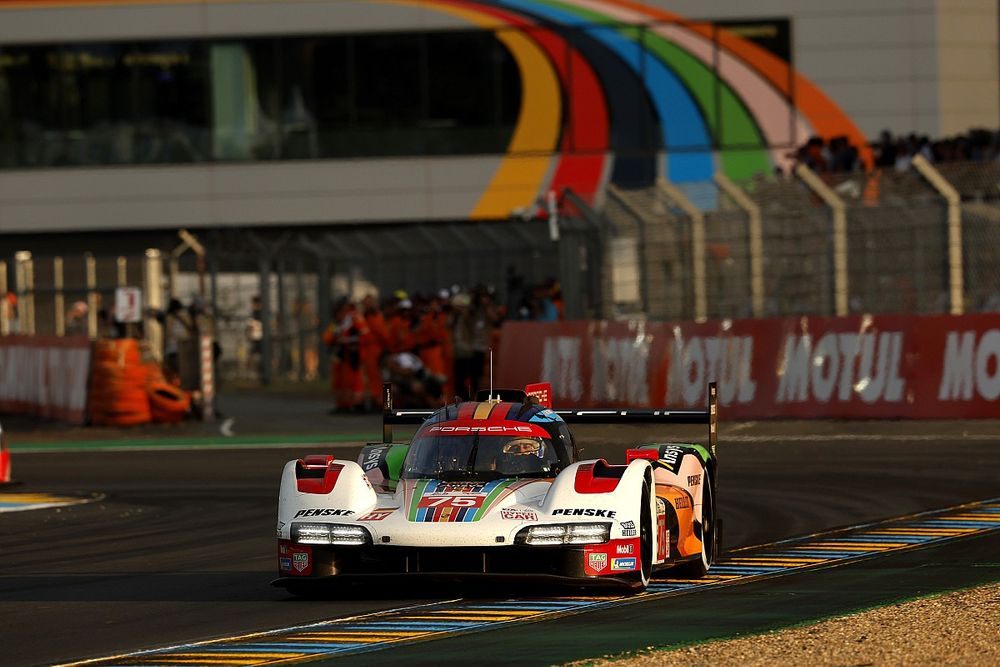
{"type": "Point", "coordinates": [620, 90]}
{"type": "Point", "coordinates": [707, 88]}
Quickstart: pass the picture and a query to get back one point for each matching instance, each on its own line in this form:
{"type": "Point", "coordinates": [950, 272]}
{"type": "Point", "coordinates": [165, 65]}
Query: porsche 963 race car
{"type": "Point", "coordinates": [494, 488]}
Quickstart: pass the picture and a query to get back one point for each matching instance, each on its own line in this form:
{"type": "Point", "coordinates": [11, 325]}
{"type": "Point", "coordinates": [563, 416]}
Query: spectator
{"type": "Point", "coordinates": [76, 319]}
{"type": "Point", "coordinates": [254, 333]}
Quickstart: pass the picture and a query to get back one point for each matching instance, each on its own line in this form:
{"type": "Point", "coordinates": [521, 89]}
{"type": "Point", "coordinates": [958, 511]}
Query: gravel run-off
{"type": "Point", "coordinates": [959, 628]}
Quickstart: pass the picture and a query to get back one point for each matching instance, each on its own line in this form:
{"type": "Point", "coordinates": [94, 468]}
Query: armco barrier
{"type": "Point", "coordinates": [45, 376]}
{"type": "Point", "coordinates": [938, 366]}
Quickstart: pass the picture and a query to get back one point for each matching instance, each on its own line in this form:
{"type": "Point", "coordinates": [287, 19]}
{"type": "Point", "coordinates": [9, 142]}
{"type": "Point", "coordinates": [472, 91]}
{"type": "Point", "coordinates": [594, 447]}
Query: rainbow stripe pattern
{"type": "Point", "coordinates": [619, 90]}
{"type": "Point", "coordinates": [422, 498]}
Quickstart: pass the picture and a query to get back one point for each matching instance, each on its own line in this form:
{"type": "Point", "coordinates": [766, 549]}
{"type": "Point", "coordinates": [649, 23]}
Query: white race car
{"type": "Point", "coordinates": [493, 488]}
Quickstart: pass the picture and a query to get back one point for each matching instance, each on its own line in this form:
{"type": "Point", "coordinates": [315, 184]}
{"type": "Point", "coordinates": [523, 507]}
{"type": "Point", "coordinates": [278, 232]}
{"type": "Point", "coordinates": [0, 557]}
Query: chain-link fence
{"type": "Point", "coordinates": [275, 292]}
{"type": "Point", "coordinates": [67, 294]}
{"type": "Point", "coordinates": [893, 250]}
{"type": "Point", "coordinates": [881, 242]}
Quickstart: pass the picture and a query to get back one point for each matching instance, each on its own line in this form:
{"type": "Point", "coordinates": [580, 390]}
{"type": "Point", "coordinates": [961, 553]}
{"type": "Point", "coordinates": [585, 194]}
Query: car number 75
{"type": "Point", "coordinates": [451, 501]}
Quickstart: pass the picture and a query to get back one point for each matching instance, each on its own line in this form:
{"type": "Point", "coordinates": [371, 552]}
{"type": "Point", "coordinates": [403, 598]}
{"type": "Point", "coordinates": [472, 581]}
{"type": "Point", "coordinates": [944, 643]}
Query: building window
{"type": "Point", "coordinates": [311, 97]}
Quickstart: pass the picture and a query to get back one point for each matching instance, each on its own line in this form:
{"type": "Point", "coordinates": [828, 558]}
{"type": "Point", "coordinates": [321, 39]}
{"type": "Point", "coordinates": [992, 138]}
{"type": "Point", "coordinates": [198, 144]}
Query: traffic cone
{"type": "Point", "coordinates": [4, 460]}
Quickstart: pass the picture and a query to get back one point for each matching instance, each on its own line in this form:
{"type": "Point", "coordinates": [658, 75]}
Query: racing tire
{"type": "Point", "coordinates": [645, 540]}
{"type": "Point", "coordinates": [698, 568]}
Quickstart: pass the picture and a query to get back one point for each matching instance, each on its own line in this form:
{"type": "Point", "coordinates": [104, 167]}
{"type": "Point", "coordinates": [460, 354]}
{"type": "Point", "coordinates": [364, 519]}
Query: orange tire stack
{"type": "Point", "coordinates": [168, 404]}
{"type": "Point", "coordinates": [118, 394]}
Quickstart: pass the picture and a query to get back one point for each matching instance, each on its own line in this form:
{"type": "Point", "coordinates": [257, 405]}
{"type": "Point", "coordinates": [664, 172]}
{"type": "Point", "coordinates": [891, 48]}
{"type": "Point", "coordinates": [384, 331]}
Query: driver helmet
{"type": "Point", "coordinates": [521, 455]}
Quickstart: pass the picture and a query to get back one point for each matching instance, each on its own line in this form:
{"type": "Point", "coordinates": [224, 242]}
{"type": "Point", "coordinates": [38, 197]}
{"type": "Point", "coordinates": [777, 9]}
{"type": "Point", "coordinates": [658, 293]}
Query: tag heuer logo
{"type": "Point", "coordinates": [598, 562]}
{"type": "Point", "coordinates": [300, 561]}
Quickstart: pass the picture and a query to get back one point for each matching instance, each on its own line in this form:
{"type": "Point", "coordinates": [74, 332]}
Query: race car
{"type": "Point", "coordinates": [494, 488]}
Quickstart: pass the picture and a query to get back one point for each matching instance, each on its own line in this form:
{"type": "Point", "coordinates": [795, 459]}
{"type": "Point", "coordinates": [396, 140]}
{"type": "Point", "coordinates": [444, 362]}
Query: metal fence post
{"type": "Point", "coordinates": [122, 274]}
{"type": "Point", "coordinates": [92, 295]}
{"type": "Point", "coordinates": [839, 209]}
{"type": "Point", "coordinates": [756, 238]}
{"type": "Point", "coordinates": [154, 301]}
{"type": "Point", "coordinates": [956, 268]}
{"type": "Point", "coordinates": [265, 320]}
{"type": "Point", "coordinates": [25, 276]}
{"type": "Point", "coordinates": [697, 245]}
{"type": "Point", "coordinates": [59, 299]}
{"type": "Point", "coordinates": [640, 223]}
{"type": "Point", "coordinates": [4, 315]}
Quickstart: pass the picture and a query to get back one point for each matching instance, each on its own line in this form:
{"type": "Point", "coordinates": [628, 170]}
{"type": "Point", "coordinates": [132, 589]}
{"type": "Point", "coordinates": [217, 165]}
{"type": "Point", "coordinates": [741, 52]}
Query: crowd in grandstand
{"type": "Point", "coordinates": [430, 347]}
{"type": "Point", "coordinates": [895, 152]}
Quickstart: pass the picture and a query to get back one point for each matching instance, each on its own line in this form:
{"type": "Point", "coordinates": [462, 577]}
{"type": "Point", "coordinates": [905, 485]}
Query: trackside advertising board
{"type": "Point", "coordinates": [861, 366]}
{"type": "Point", "coordinates": [45, 376]}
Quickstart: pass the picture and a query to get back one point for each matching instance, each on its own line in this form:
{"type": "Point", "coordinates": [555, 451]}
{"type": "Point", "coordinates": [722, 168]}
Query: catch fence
{"type": "Point", "coordinates": [921, 241]}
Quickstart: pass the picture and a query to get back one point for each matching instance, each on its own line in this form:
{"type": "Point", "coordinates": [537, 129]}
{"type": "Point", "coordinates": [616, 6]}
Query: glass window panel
{"type": "Point", "coordinates": [245, 87]}
{"type": "Point", "coordinates": [389, 97]}
{"type": "Point", "coordinates": [169, 82]}
{"type": "Point", "coordinates": [316, 95]}
{"type": "Point", "coordinates": [311, 97]}
{"type": "Point", "coordinates": [466, 93]}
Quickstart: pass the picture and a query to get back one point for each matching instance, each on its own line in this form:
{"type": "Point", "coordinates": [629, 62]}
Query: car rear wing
{"type": "Point", "coordinates": [709, 416]}
{"type": "Point", "coordinates": [391, 416]}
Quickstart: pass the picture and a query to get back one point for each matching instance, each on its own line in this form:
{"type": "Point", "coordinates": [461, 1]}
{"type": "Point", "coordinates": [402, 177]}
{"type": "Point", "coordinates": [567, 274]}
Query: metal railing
{"type": "Point", "coordinates": [925, 240]}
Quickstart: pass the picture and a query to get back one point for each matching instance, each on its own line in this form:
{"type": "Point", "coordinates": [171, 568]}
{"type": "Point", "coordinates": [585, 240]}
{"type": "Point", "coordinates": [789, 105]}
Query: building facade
{"type": "Point", "coordinates": [123, 115]}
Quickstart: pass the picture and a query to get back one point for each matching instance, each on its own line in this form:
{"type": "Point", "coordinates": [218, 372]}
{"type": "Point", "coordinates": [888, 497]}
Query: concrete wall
{"type": "Point", "coordinates": [214, 19]}
{"type": "Point", "coordinates": [969, 93]}
{"type": "Point", "coordinates": [253, 194]}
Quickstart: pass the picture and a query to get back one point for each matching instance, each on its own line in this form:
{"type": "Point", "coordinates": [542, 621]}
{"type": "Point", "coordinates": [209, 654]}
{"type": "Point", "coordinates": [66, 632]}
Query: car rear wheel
{"type": "Point", "coordinates": [696, 569]}
{"type": "Point", "coordinates": [645, 539]}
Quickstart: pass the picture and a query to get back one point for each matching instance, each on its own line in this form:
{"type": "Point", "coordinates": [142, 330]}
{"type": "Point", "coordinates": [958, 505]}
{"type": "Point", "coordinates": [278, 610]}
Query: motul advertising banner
{"type": "Point", "coordinates": [45, 376]}
{"type": "Point", "coordinates": [889, 366]}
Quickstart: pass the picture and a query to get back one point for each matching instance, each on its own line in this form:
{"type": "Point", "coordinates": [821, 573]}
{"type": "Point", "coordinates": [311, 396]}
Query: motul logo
{"type": "Point", "coordinates": [971, 365]}
{"type": "Point", "coordinates": [840, 365]}
{"type": "Point", "coordinates": [561, 366]}
{"type": "Point", "coordinates": [703, 359]}
{"type": "Point", "coordinates": [620, 370]}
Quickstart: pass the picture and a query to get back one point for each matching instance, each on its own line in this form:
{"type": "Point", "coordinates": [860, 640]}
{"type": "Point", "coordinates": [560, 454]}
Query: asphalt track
{"type": "Point", "coordinates": [181, 547]}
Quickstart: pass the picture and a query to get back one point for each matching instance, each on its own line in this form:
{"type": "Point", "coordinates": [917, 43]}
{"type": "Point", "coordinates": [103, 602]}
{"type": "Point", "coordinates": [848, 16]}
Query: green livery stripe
{"type": "Point", "coordinates": [703, 451]}
{"type": "Point", "coordinates": [491, 498]}
{"type": "Point", "coordinates": [394, 457]}
{"type": "Point", "coordinates": [418, 492]}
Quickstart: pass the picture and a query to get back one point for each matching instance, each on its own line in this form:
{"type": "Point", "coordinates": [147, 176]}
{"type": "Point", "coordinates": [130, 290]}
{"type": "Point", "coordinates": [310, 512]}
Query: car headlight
{"type": "Point", "coordinates": [329, 533]}
{"type": "Point", "coordinates": [565, 533]}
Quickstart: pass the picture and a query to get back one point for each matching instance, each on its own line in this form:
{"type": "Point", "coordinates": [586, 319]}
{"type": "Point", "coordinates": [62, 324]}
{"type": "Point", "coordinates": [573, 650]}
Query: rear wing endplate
{"type": "Point", "coordinates": [391, 416]}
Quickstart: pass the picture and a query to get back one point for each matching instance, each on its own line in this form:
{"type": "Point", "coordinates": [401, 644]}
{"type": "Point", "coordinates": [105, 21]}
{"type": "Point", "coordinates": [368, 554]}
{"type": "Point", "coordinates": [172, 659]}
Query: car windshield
{"type": "Point", "coordinates": [477, 456]}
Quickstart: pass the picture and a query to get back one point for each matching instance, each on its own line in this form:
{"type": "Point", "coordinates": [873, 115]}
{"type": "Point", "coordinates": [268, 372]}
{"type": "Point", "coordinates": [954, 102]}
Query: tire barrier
{"type": "Point", "coordinates": [118, 395]}
{"type": "Point", "coordinates": [167, 403]}
{"type": "Point", "coordinates": [4, 459]}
